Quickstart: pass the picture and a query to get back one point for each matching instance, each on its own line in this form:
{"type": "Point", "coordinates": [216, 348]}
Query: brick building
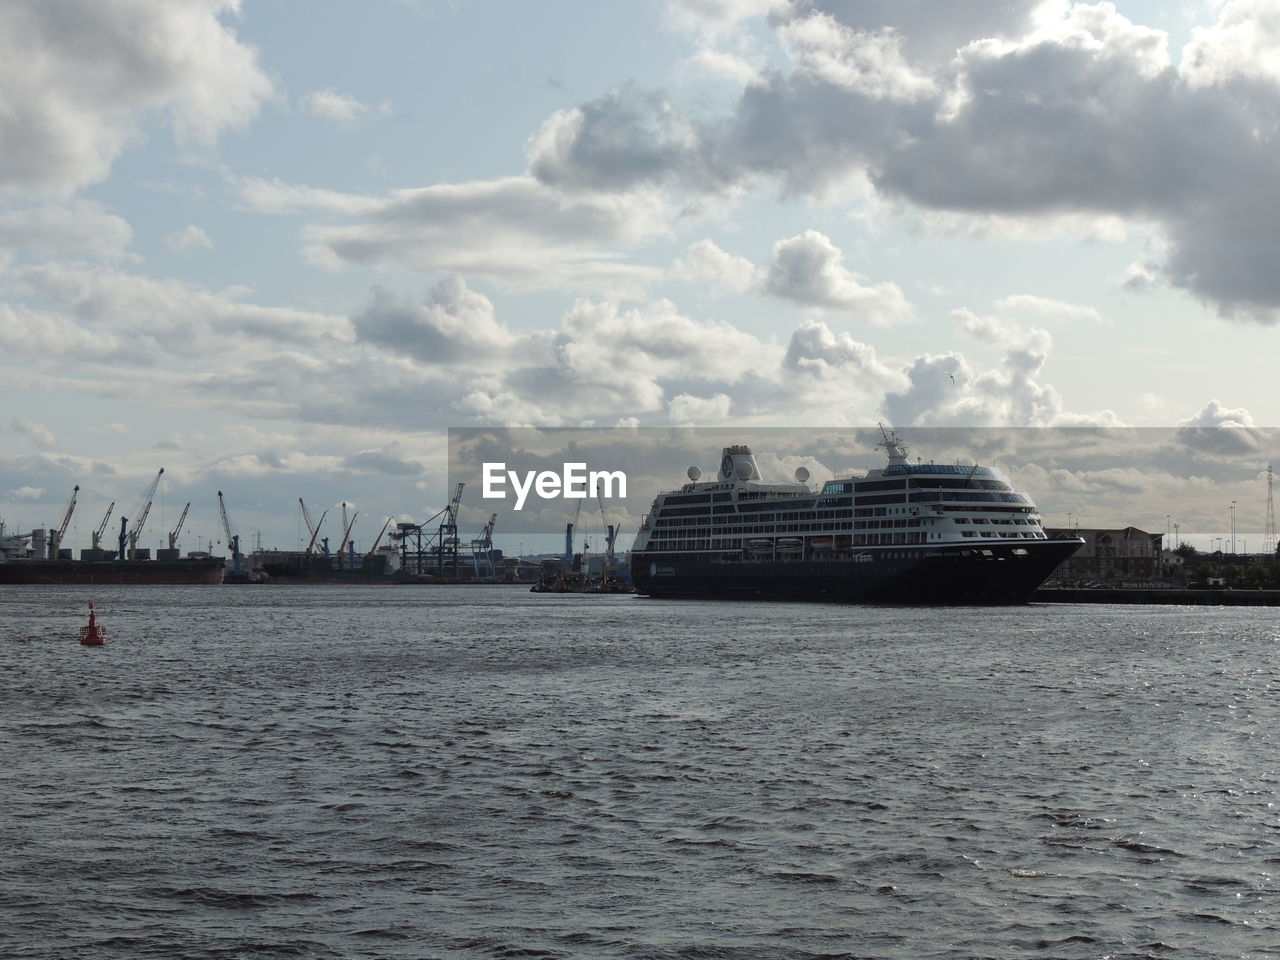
{"type": "Point", "coordinates": [1126, 553]}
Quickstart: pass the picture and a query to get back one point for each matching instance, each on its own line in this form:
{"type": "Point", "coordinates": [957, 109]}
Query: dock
{"type": "Point", "coordinates": [1198, 597]}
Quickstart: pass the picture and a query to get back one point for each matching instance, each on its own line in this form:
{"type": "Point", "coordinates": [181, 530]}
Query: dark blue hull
{"type": "Point", "coordinates": [988, 573]}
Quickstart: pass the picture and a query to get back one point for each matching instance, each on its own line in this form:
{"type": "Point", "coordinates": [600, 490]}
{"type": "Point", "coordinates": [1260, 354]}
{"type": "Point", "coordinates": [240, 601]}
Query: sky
{"type": "Point", "coordinates": [278, 249]}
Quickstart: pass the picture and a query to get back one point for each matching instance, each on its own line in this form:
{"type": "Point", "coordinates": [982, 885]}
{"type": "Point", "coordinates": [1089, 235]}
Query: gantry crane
{"type": "Point", "coordinates": [233, 540]}
{"type": "Point", "coordinates": [55, 536]}
{"type": "Point", "coordinates": [140, 515]}
{"type": "Point", "coordinates": [173, 534]}
{"type": "Point", "coordinates": [447, 535]}
{"type": "Point", "coordinates": [96, 535]}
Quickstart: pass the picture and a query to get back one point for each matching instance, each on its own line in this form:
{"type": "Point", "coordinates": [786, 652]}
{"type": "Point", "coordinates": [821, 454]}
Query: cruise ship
{"type": "Point", "coordinates": [906, 533]}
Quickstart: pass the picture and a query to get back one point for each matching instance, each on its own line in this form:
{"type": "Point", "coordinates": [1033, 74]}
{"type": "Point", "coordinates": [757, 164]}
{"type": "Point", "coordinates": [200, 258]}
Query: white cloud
{"type": "Point", "coordinates": [688, 409]}
{"type": "Point", "coordinates": [25, 493]}
{"type": "Point", "coordinates": [515, 230]}
{"type": "Point", "coordinates": [705, 262]}
{"type": "Point", "coordinates": [328, 104]}
{"type": "Point", "coordinates": [809, 269]}
{"type": "Point", "coordinates": [114, 315]}
{"type": "Point", "coordinates": [77, 78]}
{"type": "Point", "coordinates": [865, 62]}
{"type": "Point", "coordinates": [76, 228]}
{"type": "Point", "coordinates": [1215, 414]}
{"type": "Point", "coordinates": [1243, 43]}
{"type": "Point", "coordinates": [187, 239]}
{"type": "Point", "coordinates": [1046, 308]}
{"type": "Point", "coordinates": [453, 325]}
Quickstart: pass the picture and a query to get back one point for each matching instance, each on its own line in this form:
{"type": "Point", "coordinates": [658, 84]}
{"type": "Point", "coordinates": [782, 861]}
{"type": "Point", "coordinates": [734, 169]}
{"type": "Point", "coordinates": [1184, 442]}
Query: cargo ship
{"type": "Point", "coordinates": [906, 533]}
{"type": "Point", "coordinates": [99, 567]}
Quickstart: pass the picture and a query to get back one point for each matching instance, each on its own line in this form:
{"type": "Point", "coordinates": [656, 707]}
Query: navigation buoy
{"type": "Point", "coordinates": [94, 635]}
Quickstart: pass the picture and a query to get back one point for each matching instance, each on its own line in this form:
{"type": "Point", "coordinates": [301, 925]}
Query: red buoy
{"type": "Point", "coordinates": [94, 635]}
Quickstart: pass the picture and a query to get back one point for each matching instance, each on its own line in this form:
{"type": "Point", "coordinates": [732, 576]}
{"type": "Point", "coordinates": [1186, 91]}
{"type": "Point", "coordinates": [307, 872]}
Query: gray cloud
{"type": "Point", "coordinates": [1072, 110]}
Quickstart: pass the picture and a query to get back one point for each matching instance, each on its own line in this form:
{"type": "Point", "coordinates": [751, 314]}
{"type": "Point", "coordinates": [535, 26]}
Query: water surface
{"type": "Point", "coordinates": [406, 772]}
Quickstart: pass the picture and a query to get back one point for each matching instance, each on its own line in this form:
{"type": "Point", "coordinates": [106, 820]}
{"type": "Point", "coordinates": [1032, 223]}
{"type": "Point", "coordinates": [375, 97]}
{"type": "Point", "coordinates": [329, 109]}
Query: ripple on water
{"type": "Point", "coordinates": [418, 772]}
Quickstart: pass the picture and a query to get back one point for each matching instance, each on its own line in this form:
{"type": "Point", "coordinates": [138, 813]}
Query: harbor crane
{"type": "Point", "coordinates": [378, 539]}
{"type": "Point", "coordinates": [347, 524]}
{"type": "Point", "coordinates": [173, 534]}
{"type": "Point", "coordinates": [447, 535]}
{"type": "Point", "coordinates": [482, 548]}
{"type": "Point", "coordinates": [313, 529]}
{"type": "Point", "coordinates": [96, 535]}
{"type": "Point", "coordinates": [610, 537]}
{"type": "Point", "coordinates": [444, 542]}
{"type": "Point", "coordinates": [55, 536]}
{"type": "Point", "coordinates": [233, 540]}
{"type": "Point", "coordinates": [140, 515]}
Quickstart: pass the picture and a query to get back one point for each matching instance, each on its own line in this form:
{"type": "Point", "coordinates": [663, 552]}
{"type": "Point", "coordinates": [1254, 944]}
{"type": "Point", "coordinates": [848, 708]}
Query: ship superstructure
{"type": "Point", "coordinates": [909, 532]}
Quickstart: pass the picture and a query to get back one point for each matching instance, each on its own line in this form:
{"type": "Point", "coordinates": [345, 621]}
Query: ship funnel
{"type": "Point", "coordinates": [738, 463]}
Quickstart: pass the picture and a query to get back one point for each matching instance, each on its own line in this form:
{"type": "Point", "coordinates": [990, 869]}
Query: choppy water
{"type": "Point", "coordinates": [391, 772]}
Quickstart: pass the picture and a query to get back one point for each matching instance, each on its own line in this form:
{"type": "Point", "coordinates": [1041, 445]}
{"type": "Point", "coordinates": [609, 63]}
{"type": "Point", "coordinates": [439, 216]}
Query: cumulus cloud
{"type": "Point", "coordinates": [809, 269]}
{"type": "Point", "coordinates": [688, 409]}
{"type": "Point", "coordinates": [1034, 112]}
{"type": "Point", "coordinates": [1214, 414]}
{"type": "Point", "coordinates": [816, 350]}
{"type": "Point", "coordinates": [1204, 432]}
{"type": "Point", "coordinates": [453, 323]}
{"type": "Point", "coordinates": [187, 239]}
{"type": "Point", "coordinates": [867, 63]}
{"type": "Point", "coordinates": [943, 389]}
{"type": "Point", "coordinates": [705, 262]}
{"type": "Point", "coordinates": [78, 78]}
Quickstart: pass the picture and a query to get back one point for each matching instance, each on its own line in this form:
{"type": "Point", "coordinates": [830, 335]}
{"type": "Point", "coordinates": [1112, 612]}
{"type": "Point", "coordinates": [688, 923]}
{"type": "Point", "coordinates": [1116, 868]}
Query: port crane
{"type": "Point", "coordinates": [347, 524]}
{"type": "Point", "coordinates": [482, 548]}
{"type": "Point", "coordinates": [96, 535]}
{"type": "Point", "coordinates": [140, 515]}
{"type": "Point", "coordinates": [55, 536]}
{"type": "Point", "coordinates": [444, 542]}
{"type": "Point", "coordinates": [173, 534]}
{"type": "Point", "coordinates": [378, 539]}
{"type": "Point", "coordinates": [313, 529]}
{"type": "Point", "coordinates": [233, 540]}
{"type": "Point", "coordinates": [447, 535]}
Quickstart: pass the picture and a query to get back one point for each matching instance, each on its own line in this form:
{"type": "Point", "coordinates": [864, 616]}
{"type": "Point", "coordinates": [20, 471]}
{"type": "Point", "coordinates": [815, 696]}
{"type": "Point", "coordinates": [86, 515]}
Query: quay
{"type": "Point", "coordinates": [1200, 597]}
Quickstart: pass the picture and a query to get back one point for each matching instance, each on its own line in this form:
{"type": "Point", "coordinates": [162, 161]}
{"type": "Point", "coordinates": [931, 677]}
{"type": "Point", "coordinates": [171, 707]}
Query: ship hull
{"type": "Point", "coordinates": [178, 572]}
{"type": "Point", "coordinates": [992, 573]}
